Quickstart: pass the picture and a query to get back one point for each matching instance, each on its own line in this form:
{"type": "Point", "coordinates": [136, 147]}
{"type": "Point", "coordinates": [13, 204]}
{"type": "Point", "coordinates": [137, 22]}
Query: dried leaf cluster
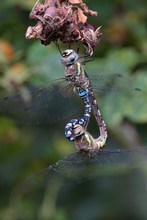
{"type": "Point", "coordinates": [65, 20]}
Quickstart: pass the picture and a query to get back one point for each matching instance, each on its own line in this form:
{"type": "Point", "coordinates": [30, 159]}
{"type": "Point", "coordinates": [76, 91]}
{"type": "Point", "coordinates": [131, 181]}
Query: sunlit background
{"type": "Point", "coordinates": [26, 148]}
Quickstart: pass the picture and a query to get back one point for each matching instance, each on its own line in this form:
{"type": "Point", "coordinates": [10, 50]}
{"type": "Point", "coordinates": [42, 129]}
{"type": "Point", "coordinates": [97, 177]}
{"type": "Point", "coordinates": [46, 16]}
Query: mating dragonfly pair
{"type": "Point", "coordinates": [89, 153]}
{"type": "Point", "coordinates": [57, 100]}
{"type": "Point", "coordinates": [75, 130]}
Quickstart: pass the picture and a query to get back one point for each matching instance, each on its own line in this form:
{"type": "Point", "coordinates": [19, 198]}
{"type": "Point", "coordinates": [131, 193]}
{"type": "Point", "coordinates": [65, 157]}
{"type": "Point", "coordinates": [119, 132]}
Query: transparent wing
{"type": "Point", "coordinates": [79, 167]}
{"type": "Point", "coordinates": [105, 82]}
{"type": "Point", "coordinates": [55, 100]}
{"type": "Point", "coordinates": [46, 104]}
{"type": "Point", "coordinates": [120, 96]}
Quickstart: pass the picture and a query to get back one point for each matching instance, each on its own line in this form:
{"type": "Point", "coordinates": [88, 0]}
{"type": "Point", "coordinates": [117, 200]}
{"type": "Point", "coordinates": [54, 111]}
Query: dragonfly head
{"type": "Point", "coordinates": [78, 131]}
{"type": "Point", "coordinates": [69, 57]}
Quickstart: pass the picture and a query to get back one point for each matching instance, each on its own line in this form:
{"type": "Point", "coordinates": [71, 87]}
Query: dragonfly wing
{"type": "Point", "coordinates": [106, 83]}
{"type": "Point", "coordinates": [120, 96]}
{"type": "Point", "coordinates": [80, 167]}
{"type": "Point", "coordinates": [46, 104]}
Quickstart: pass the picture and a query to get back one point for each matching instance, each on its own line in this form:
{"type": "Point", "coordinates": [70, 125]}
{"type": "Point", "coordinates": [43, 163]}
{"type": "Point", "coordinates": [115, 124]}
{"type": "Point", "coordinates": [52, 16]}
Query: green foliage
{"type": "Point", "coordinates": [46, 64]}
{"type": "Point", "coordinates": [125, 102]}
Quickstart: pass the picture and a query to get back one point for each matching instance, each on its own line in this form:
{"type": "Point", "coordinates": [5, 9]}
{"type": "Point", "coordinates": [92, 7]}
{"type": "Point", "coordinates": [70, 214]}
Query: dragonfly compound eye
{"type": "Point", "coordinates": [69, 57]}
{"type": "Point", "coordinates": [67, 52]}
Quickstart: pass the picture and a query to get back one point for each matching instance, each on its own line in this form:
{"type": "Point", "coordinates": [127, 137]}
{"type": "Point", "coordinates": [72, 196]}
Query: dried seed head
{"type": "Point", "coordinates": [65, 20]}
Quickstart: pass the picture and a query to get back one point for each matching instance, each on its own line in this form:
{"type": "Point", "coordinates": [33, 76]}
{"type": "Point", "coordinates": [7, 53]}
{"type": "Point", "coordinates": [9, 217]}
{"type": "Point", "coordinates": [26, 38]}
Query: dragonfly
{"type": "Point", "coordinates": [81, 84]}
{"type": "Point", "coordinates": [56, 99]}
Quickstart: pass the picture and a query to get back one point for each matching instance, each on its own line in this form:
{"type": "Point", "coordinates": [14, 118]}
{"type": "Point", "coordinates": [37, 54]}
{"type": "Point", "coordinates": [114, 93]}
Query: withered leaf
{"type": "Point", "coordinates": [87, 10]}
{"type": "Point", "coordinates": [75, 1]}
{"type": "Point", "coordinates": [82, 18]}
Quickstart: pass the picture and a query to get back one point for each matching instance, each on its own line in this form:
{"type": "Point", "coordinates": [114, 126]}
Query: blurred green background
{"type": "Point", "coordinates": [25, 149]}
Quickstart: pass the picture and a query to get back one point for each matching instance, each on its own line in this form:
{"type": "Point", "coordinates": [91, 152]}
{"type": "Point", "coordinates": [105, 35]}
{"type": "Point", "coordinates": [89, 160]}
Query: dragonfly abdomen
{"type": "Point", "coordinates": [101, 123]}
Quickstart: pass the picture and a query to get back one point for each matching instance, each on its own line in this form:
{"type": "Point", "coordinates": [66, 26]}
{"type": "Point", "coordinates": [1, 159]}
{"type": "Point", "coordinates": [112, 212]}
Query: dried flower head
{"type": "Point", "coordinates": [65, 20]}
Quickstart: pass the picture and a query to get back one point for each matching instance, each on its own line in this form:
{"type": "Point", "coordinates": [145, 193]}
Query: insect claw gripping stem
{"type": "Point", "coordinates": [75, 130]}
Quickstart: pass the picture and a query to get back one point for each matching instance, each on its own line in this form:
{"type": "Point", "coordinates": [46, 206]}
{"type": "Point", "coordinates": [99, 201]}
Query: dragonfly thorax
{"type": "Point", "coordinates": [69, 57]}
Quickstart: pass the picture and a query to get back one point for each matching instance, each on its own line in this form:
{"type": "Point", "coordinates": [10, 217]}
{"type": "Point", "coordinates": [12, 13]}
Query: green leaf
{"type": "Point", "coordinates": [139, 102]}
{"type": "Point", "coordinates": [45, 61]}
